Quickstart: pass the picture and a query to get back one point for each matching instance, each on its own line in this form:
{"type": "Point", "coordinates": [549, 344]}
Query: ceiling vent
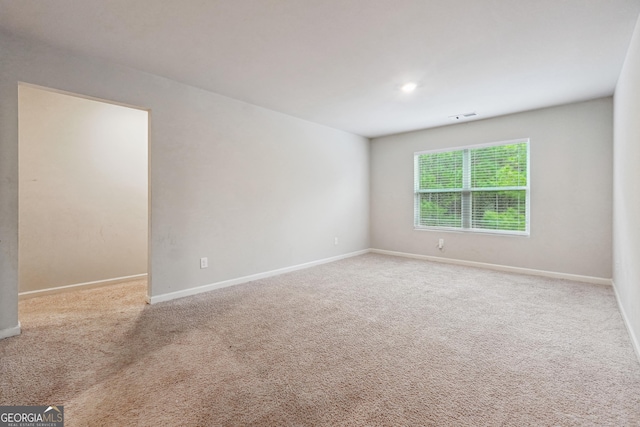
{"type": "Point", "coordinates": [463, 116]}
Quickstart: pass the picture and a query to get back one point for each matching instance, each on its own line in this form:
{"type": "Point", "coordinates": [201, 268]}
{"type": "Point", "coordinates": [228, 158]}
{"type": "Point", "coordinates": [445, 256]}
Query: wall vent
{"type": "Point", "coordinates": [463, 116]}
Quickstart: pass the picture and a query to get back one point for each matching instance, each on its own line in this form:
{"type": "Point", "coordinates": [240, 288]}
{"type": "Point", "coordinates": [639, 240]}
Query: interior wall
{"type": "Point", "coordinates": [626, 185]}
{"type": "Point", "coordinates": [251, 189]}
{"type": "Point", "coordinates": [82, 190]}
{"type": "Point", "coordinates": [571, 179]}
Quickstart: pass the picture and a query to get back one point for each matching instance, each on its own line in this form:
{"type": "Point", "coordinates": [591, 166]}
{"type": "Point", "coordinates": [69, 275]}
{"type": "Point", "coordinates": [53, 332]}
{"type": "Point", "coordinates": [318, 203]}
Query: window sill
{"type": "Point", "coordinates": [475, 231]}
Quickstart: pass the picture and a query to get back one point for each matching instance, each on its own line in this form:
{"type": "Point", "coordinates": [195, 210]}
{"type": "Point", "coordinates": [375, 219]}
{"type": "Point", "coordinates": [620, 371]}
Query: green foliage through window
{"type": "Point", "coordinates": [440, 210]}
{"type": "Point", "coordinates": [485, 188]}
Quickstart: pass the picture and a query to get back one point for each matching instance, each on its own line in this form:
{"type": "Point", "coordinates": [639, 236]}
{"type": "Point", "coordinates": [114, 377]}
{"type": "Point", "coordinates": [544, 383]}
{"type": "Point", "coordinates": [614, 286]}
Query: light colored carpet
{"type": "Point", "coordinates": [370, 340]}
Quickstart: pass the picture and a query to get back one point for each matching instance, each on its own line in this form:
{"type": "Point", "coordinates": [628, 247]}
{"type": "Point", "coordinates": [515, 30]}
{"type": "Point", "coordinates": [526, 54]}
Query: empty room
{"type": "Point", "coordinates": [407, 213]}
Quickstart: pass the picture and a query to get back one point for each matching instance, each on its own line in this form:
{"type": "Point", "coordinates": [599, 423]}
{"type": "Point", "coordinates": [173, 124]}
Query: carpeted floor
{"type": "Point", "coordinates": [370, 340]}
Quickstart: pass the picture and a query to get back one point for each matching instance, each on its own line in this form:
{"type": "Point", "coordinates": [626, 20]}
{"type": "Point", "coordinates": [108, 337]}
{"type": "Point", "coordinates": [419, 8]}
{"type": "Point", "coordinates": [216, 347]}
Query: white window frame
{"type": "Point", "coordinates": [466, 191]}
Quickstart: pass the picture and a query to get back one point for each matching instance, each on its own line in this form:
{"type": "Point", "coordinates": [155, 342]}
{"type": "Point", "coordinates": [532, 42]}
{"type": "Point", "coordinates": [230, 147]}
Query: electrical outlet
{"type": "Point", "coordinates": [204, 262]}
{"type": "Point", "coordinates": [335, 241]}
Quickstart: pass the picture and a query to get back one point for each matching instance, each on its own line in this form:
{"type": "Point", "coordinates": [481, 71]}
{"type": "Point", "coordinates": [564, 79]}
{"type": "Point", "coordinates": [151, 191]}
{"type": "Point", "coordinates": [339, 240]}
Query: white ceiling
{"type": "Point", "coordinates": [341, 62]}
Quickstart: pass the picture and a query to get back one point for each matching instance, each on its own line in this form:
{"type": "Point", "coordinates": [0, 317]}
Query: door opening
{"type": "Point", "coordinates": [83, 192]}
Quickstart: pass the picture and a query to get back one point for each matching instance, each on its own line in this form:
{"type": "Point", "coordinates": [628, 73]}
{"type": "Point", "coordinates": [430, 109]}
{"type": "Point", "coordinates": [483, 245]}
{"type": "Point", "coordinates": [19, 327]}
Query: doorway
{"type": "Point", "coordinates": [83, 192]}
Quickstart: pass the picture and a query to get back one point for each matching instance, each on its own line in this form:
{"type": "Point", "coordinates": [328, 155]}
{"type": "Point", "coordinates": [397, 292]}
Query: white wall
{"type": "Point", "coordinates": [571, 179]}
{"type": "Point", "coordinates": [252, 189]}
{"type": "Point", "coordinates": [82, 190]}
{"type": "Point", "coordinates": [626, 189]}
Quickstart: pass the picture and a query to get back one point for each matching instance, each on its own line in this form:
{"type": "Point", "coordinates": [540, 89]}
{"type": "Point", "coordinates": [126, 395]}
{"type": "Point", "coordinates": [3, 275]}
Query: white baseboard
{"type": "Point", "coordinates": [635, 340]}
{"type": "Point", "coordinates": [520, 270]}
{"type": "Point", "coordinates": [10, 332]}
{"type": "Point", "coordinates": [206, 288]}
{"type": "Point", "coordinates": [78, 286]}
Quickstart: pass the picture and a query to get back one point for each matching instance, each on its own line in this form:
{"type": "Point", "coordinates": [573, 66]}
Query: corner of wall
{"type": "Point", "coordinates": [635, 340]}
{"type": "Point", "coordinates": [10, 332]}
{"type": "Point", "coordinates": [626, 201]}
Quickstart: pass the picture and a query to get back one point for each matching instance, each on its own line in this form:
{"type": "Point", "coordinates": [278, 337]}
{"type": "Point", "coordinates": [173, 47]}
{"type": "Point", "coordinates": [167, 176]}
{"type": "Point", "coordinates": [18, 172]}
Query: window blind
{"type": "Point", "coordinates": [482, 188]}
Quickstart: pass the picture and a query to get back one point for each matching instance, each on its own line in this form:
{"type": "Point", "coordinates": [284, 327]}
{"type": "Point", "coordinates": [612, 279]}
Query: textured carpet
{"type": "Point", "coordinates": [370, 340]}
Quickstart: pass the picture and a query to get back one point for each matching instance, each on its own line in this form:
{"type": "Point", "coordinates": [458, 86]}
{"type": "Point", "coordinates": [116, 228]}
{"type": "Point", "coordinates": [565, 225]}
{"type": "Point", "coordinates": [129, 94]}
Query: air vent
{"type": "Point", "coordinates": [463, 116]}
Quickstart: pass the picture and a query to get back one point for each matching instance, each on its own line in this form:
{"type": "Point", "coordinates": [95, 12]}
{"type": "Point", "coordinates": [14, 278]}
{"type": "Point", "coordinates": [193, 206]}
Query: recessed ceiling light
{"type": "Point", "coordinates": [409, 87]}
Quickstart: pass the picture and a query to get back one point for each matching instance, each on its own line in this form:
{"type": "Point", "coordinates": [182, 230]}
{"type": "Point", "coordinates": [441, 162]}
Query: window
{"type": "Point", "coordinates": [481, 188]}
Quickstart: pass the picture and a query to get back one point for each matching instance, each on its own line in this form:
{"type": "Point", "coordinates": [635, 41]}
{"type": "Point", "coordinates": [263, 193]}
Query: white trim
{"type": "Point", "coordinates": [474, 146]}
{"type": "Point", "coordinates": [10, 332]}
{"type": "Point", "coordinates": [635, 341]}
{"type": "Point", "coordinates": [77, 286]}
{"type": "Point", "coordinates": [472, 230]}
{"type": "Point", "coordinates": [520, 270]}
{"type": "Point", "coordinates": [231, 282]}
